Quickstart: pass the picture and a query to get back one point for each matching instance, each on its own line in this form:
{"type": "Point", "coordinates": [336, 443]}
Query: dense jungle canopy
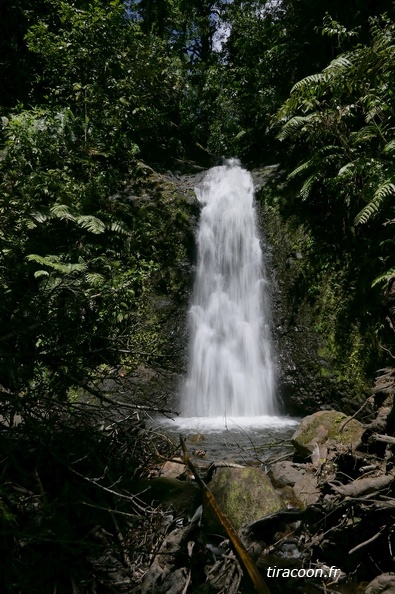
{"type": "Point", "coordinates": [101, 104]}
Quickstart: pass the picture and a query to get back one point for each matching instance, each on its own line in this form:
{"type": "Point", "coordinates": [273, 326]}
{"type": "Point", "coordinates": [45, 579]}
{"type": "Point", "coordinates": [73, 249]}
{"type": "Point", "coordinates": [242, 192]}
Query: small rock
{"type": "Point", "coordinates": [182, 496]}
{"type": "Point", "coordinates": [199, 453]}
{"type": "Point", "coordinates": [197, 438]}
{"type": "Point", "coordinates": [173, 469]}
{"type": "Point", "coordinates": [175, 582]}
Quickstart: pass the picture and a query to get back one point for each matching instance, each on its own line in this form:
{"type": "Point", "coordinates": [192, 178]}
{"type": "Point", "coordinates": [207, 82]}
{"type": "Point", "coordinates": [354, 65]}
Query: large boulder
{"type": "Point", "coordinates": [244, 495]}
{"type": "Point", "coordinates": [382, 584]}
{"type": "Point", "coordinates": [324, 429]}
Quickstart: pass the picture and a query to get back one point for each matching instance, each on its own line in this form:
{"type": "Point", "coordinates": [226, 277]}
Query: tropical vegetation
{"type": "Point", "coordinates": [102, 106]}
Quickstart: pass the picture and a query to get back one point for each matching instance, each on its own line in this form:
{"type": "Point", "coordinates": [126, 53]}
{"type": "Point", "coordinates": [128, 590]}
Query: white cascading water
{"type": "Point", "coordinates": [231, 372]}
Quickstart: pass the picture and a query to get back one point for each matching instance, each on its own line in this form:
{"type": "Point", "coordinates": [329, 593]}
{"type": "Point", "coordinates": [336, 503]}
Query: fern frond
{"type": "Point", "coordinates": [338, 65]}
{"type": "Point", "coordinates": [94, 278]}
{"type": "Point", "coordinates": [293, 126]}
{"type": "Point", "coordinates": [301, 169]}
{"type": "Point", "coordinates": [240, 134]}
{"type": "Point", "coordinates": [347, 169]}
{"type": "Point", "coordinates": [375, 106]}
{"type": "Point", "coordinates": [384, 277]}
{"type": "Point", "coordinates": [390, 147]}
{"type": "Point", "coordinates": [61, 211]}
{"type": "Point", "coordinates": [331, 149]}
{"type": "Point", "coordinates": [307, 187]}
{"type": "Point", "coordinates": [385, 190]}
{"type": "Point", "coordinates": [119, 227]}
{"type": "Point", "coordinates": [91, 223]}
{"type": "Point", "coordinates": [41, 216]}
{"type": "Point", "coordinates": [364, 134]}
{"type": "Point", "coordinates": [54, 263]}
{"type": "Point", "coordinates": [41, 273]}
{"type": "Point", "coordinates": [313, 79]}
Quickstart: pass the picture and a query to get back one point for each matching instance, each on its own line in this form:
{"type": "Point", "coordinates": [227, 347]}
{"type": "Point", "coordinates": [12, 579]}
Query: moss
{"type": "Point", "coordinates": [5, 514]}
{"type": "Point", "coordinates": [326, 327]}
{"type": "Point", "coordinates": [324, 427]}
{"type": "Point", "coordinates": [244, 495]}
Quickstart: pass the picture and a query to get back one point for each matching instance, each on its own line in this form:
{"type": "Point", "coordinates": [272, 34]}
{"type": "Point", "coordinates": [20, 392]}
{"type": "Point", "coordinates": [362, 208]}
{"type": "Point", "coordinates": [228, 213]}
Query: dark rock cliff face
{"type": "Point", "coordinates": [309, 377]}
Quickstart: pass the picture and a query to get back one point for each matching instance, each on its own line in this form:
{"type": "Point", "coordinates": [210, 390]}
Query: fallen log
{"type": "Point", "coordinates": [363, 486]}
{"type": "Point", "coordinates": [383, 438]}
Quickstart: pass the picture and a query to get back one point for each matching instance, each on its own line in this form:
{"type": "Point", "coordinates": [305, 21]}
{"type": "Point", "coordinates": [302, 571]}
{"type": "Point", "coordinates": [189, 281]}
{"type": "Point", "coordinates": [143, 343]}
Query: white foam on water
{"type": "Point", "coordinates": [220, 424]}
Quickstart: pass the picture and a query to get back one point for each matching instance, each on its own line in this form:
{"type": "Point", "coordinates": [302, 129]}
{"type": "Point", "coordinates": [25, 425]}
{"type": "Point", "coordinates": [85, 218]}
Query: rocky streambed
{"type": "Point", "coordinates": [319, 520]}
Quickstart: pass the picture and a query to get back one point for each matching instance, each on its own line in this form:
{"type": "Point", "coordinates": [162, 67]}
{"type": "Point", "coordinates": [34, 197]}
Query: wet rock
{"type": "Point", "coordinates": [197, 438]}
{"type": "Point", "coordinates": [324, 429]}
{"type": "Point", "coordinates": [243, 495]}
{"type": "Point", "coordinates": [382, 584]}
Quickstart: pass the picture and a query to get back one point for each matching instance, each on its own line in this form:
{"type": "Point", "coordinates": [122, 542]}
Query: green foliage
{"type": "Point", "coordinates": [338, 128]}
{"type": "Point", "coordinates": [77, 260]}
{"type": "Point", "coordinates": [342, 119]}
{"type": "Point", "coordinates": [95, 62]}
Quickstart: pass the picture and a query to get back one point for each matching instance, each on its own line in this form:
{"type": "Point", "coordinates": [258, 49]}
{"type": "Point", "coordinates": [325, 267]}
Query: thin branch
{"type": "Point", "coordinates": [132, 498]}
{"type": "Point", "coordinates": [368, 400]}
{"type": "Point", "coordinates": [367, 542]}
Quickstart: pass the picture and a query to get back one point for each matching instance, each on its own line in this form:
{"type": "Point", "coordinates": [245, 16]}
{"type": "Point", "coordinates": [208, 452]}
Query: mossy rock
{"type": "Point", "coordinates": [324, 427]}
{"type": "Point", "coordinates": [244, 495]}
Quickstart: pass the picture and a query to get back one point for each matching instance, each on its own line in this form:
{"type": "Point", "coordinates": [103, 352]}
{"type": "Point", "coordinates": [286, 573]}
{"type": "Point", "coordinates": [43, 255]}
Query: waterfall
{"type": "Point", "coordinates": [231, 371]}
